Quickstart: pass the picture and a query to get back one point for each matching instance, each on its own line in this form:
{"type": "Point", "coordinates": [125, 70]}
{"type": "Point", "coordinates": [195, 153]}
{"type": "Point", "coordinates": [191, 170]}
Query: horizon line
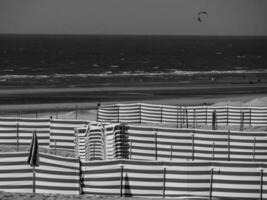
{"type": "Point", "coordinates": [149, 35]}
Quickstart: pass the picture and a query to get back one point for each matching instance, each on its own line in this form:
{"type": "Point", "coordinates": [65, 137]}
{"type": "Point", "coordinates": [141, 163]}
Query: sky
{"type": "Point", "coordinates": [145, 17]}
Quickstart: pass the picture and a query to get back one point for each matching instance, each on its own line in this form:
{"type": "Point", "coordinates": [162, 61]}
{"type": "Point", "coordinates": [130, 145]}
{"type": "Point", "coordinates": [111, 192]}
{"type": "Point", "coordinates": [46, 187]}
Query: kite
{"type": "Point", "coordinates": [200, 15]}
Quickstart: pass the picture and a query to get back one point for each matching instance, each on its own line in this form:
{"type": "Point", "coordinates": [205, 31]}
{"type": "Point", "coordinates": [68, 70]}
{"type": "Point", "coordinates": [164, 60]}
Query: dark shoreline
{"type": "Point", "coordinates": [158, 90]}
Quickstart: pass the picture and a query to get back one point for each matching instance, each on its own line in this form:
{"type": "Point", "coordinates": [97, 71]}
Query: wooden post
{"type": "Point", "coordinates": [156, 145]}
{"type": "Point", "coordinates": [261, 184]}
{"type": "Point", "coordinates": [193, 146]}
{"type": "Point", "coordinates": [186, 117]}
{"type": "Point", "coordinates": [229, 146]}
{"type": "Point", "coordinates": [164, 183]}
{"type": "Point", "coordinates": [55, 147]}
{"type": "Point", "coordinates": [140, 113]}
{"type": "Point", "coordinates": [241, 121]}
{"type": "Point", "coordinates": [78, 142]}
{"type": "Point", "coordinates": [130, 152]}
{"type": "Point", "coordinates": [214, 120]}
{"type": "Point", "coordinates": [227, 116]}
{"type": "Point", "coordinates": [33, 179]}
{"type": "Point", "coordinates": [161, 114]}
{"type": "Point", "coordinates": [97, 111]}
{"type": "Point", "coordinates": [211, 183]}
{"type": "Point", "coordinates": [194, 118]}
{"type": "Point", "coordinates": [17, 131]}
{"type": "Point", "coordinates": [121, 182]}
{"type": "Point", "coordinates": [171, 153]}
{"type": "Point", "coordinates": [94, 150]}
{"type": "Point", "coordinates": [118, 113]}
{"type": "Point", "coordinates": [181, 117]}
{"type": "Point", "coordinates": [213, 150]}
{"type": "Point", "coordinates": [81, 181]}
{"type": "Point", "coordinates": [254, 148]}
{"type": "Point", "coordinates": [76, 112]}
{"type": "Point", "coordinates": [206, 115]}
{"type": "Point", "coordinates": [249, 116]}
{"type": "Point", "coordinates": [177, 116]}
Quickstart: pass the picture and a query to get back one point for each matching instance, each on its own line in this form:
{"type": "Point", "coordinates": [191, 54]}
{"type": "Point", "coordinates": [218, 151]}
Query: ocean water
{"type": "Point", "coordinates": [58, 57]}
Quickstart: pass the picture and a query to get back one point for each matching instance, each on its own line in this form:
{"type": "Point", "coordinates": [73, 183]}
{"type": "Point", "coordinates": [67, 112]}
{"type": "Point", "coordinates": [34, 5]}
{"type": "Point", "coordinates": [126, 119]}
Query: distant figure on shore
{"type": "Point", "coordinates": [213, 78]}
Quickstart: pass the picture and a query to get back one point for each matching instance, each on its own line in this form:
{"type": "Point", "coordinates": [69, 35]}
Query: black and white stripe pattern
{"type": "Point", "coordinates": [19, 131]}
{"type": "Point", "coordinates": [170, 179]}
{"type": "Point", "coordinates": [233, 180]}
{"type": "Point", "coordinates": [62, 133]}
{"type": "Point", "coordinates": [182, 115]}
{"type": "Point", "coordinates": [150, 143]}
{"type": "Point", "coordinates": [57, 175]}
{"type": "Point", "coordinates": [15, 174]}
{"type": "Point", "coordinates": [158, 143]}
{"type": "Point", "coordinates": [54, 175]}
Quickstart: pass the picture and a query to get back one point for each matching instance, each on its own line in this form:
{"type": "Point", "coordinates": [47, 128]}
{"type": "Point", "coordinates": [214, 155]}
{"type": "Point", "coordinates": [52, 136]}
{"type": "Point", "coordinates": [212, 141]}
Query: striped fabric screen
{"type": "Point", "coordinates": [62, 133]}
{"type": "Point", "coordinates": [101, 177]}
{"type": "Point", "coordinates": [108, 113]}
{"type": "Point", "coordinates": [159, 143]}
{"type": "Point", "coordinates": [130, 113]}
{"type": "Point", "coordinates": [15, 174]}
{"type": "Point", "coordinates": [233, 180]}
{"type": "Point", "coordinates": [222, 180]}
{"type": "Point", "coordinates": [182, 115]}
{"type": "Point", "coordinates": [240, 180]}
{"type": "Point", "coordinates": [57, 175]}
{"type": "Point", "coordinates": [19, 130]}
{"type": "Point", "coordinates": [50, 132]}
{"type": "Point", "coordinates": [172, 143]}
{"type": "Point", "coordinates": [54, 175]}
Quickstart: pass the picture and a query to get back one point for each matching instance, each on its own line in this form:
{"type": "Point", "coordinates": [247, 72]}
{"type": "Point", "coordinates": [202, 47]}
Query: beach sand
{"type": "Point", "coordinates": [30, 196]}
{"type": "Point", "coordinates": [66, 100]}
{"type": "Point", "coordinates": [154, 94]}
{"type": "Point", "coordinates": [48, 101]}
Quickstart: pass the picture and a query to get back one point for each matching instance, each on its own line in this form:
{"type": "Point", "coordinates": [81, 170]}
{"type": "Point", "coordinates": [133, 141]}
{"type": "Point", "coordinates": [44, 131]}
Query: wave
{"type": "Point", "coordinates": [137, 73]}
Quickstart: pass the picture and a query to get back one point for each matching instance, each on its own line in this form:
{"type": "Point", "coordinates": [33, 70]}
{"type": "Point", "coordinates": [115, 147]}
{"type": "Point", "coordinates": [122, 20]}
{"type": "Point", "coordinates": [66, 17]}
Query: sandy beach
{"type": "Point", "coordinates": [51, 100]}
{"type": "Point", "coordinates": [65, 102]}
{"type": "Point", "coordinates": [66, 106]}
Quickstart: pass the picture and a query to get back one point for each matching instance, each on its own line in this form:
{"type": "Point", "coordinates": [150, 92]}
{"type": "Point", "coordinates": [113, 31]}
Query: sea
{"type": "Point", "coordinates": [84, 59]}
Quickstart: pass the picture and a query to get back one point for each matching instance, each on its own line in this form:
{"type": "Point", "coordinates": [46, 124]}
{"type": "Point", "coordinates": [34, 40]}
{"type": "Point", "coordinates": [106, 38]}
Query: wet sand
{"type": "Point", "coordinates": [41, 99]}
